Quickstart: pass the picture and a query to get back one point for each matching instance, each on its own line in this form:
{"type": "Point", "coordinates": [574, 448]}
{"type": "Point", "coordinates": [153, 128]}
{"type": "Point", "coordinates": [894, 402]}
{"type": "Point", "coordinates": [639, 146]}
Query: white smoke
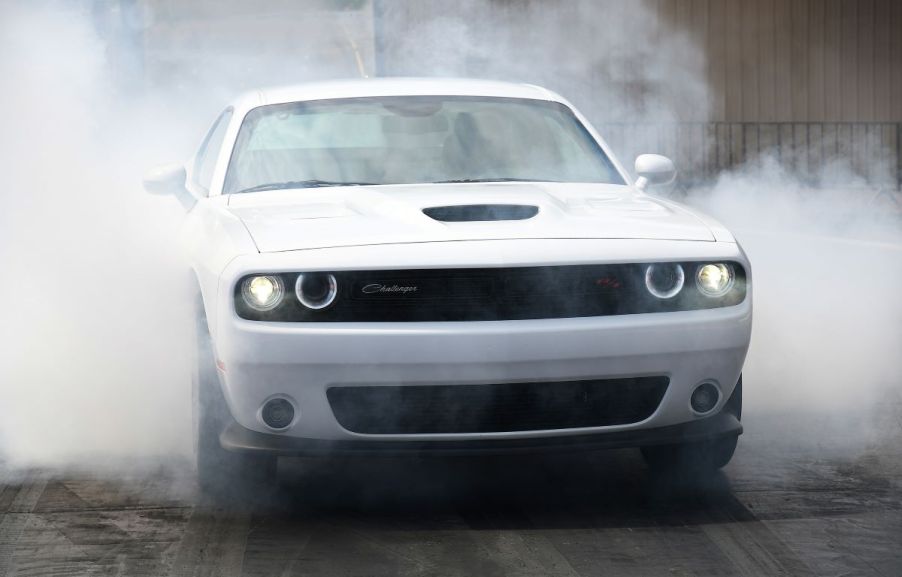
{"type": "Point", "coordinates": [827, 266]}
{"type": "Point", "coordinates": [94, 332]}
{"type": "Point", "coordinates": [615, 60]}
{"type": "Point", "coordinates": [97, 333]}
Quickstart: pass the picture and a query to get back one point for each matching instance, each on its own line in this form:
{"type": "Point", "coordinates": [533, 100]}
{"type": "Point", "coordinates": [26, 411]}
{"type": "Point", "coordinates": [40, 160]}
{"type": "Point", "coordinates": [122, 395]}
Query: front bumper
{"type": "Point", "coordinates": [301, 361]}
{"type": "Point", "coordinates": [259, 361]}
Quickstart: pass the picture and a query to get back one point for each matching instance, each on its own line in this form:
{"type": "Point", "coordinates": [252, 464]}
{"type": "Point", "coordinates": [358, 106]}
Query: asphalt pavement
{"type": "Point", "coordinates": [804, 496]}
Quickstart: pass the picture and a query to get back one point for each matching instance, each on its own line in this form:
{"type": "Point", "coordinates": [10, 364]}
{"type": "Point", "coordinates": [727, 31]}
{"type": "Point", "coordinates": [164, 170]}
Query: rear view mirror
{"type": "Point", "coordinates": [654, 170]}
{"type": "Point", "coordinates": [166, 179]}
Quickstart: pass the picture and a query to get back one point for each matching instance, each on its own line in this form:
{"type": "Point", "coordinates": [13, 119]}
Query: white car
{"type": "Point", "coordinates": [411, 266]}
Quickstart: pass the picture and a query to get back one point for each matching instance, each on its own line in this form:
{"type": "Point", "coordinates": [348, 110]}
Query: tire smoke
{"type": "Point", "coordinates": [827, 264]}
{"type": "Point", "coordinates": [95, 335]}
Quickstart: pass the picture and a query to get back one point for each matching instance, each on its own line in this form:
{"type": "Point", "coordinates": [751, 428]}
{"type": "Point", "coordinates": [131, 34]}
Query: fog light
{"type": "Point", "coordinates": [262, 293]}
{"type": "Point", "coordinates": [277, 413]}
{"type": "Point", "coordinates": [704, 398]}
{"type": "Point", "coordinates": [715, 280]}
{"type": "Point", "coordinates": [664, 280]}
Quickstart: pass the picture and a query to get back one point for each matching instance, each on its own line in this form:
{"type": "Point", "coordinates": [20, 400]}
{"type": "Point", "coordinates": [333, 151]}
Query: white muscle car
{"type": "Point", "coordinates": [412, 266]}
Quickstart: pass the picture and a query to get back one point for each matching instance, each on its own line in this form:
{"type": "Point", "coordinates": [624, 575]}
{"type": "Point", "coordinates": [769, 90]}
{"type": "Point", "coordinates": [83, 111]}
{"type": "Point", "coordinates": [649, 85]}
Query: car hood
{"type": "Point", "coordinates": [297, 219]}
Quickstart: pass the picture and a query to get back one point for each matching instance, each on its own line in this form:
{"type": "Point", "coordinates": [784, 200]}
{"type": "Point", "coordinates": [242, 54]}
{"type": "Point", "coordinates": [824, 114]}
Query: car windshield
{"type": "Point", "coordinates": [413, 139]}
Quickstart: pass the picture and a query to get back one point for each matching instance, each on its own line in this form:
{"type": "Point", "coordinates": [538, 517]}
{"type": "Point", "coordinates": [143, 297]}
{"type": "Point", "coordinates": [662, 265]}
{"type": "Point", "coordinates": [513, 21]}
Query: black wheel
{"type": "Point", "coordinates": [219, 471]}
{"type": "Point", "coordinates": [702, 457]}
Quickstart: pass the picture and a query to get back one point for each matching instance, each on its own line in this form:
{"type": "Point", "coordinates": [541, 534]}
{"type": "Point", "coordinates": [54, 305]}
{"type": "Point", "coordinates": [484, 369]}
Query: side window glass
{"type": "Point", "coordinates": [209, 151]}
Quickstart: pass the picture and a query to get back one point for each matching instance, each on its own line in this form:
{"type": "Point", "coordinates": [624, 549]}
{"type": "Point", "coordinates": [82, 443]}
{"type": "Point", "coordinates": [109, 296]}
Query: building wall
{"type": "Point", "coordinates": [798, 60]}
{"type": "Point", "coordinates": [812, 82]}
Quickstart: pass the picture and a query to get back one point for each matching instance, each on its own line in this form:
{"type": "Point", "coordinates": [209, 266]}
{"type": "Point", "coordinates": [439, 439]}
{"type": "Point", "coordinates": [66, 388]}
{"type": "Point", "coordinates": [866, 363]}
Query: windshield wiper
{"type": "Point", "coordinates": [315, 183]}
{"type": "Point", "coordinates": [466, 180]}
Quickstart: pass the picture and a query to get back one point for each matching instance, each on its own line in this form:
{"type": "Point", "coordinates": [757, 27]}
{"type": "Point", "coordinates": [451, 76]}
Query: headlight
{"type": "Point", "coordinates": [262, 293]}
{"type": "Point", "coordinates": [664, 280]}
{"type": "Point", "coordinates": [316, 290]}
{"type": "Point", "coordinates": [715, 280]}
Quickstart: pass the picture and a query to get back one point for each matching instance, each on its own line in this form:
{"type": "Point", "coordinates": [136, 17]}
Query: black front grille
{"type": "Point", "coordinates": [421, 409]}
{"type": "Point", "coordinates": [514, 293]}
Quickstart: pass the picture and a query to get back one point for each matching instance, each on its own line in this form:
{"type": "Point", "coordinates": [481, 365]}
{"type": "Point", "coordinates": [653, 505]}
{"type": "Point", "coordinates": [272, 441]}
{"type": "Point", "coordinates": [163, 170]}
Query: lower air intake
{"type": "Point", "coordinates": [419, 409]}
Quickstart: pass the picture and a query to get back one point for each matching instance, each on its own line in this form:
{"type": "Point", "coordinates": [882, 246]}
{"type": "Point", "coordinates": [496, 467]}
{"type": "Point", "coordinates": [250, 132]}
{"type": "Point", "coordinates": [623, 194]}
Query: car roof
{"type": "Point", "coordinates": [368, 87]}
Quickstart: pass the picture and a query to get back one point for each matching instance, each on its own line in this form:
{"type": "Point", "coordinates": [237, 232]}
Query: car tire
{"type": "Point", "coordinates": [219, 472]}
{"type": "Point", "coordinates": [703, 456]}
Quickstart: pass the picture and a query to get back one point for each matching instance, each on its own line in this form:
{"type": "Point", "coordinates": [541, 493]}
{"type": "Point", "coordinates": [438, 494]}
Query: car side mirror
{"type": "Point", "coordinates": [166, 179]}
{"type": "Point", "coordinates": [654, 170]}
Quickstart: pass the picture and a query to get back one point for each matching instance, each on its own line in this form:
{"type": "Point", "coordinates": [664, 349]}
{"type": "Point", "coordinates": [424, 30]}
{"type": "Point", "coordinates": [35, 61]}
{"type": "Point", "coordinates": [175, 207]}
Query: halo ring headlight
{"type": "Point", "coordinates": [316, 291]}
{"type": "Point", "coordinates": [262, 292]}
{"type": "Point", "coordinates": [715, 279]}
{"type": "Point", "coordinates": [664, 280]}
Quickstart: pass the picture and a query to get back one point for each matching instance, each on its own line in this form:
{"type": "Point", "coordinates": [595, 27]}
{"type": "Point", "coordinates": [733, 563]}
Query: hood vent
{"type": "Point", "coordinates": [481, 212]}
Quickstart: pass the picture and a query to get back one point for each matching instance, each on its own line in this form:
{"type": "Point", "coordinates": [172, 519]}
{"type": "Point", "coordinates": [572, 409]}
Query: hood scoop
{"type": "Point", "coordinates": [481, 212]}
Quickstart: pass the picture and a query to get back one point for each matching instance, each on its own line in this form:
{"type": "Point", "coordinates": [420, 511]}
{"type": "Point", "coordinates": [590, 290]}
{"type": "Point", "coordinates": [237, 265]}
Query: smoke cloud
{"type": "Point", "coordinates": [616, 61]}
{"type": "Point", "coordinates": [95, 334]}
{"type": "Point", "coordinates": [827, 266]}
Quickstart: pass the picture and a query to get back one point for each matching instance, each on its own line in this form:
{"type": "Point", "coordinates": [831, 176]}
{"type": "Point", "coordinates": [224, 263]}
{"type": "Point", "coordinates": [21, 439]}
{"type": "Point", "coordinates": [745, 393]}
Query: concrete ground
{"type": "Point", "coordinates": [804, 496]}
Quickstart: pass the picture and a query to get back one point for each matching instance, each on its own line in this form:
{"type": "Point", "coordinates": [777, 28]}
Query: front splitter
{"type": "Point", "coordinates": [237, 438]}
